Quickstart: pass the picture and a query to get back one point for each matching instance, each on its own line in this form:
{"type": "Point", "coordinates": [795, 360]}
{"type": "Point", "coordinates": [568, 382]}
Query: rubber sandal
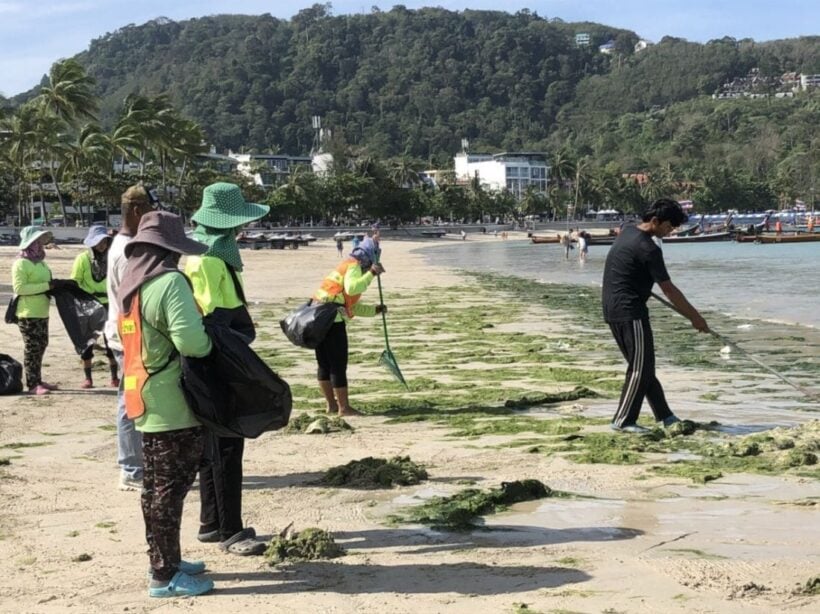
{"type": "Point", "coordinates": [192, 568]}
{"type": "Point", "coordinates": [182, 585]}
{"type": "Point", "coordinates": [243, 543]}
{"type": "Point", "coordinates": [208, 537]}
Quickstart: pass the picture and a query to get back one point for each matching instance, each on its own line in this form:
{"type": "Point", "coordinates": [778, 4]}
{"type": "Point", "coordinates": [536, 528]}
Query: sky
{"type": "Point", "coordinates": [36, 33]}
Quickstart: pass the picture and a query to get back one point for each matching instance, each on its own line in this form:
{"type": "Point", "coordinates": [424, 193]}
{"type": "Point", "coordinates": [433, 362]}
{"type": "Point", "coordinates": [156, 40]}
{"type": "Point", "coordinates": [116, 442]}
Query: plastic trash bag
{"type": "Point", "coordinates": [232, 391]}
{"type": "Point", "coordinates": [308, 325]}
{"type": "Point", "coordinates": [83, 315]}
{"type": "Point", "coordinates": [11, 375]}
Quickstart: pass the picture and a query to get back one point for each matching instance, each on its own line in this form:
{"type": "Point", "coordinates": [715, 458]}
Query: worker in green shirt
{"type": "Point", "coordinates": [90, 271]}
{"type": "Point", "coordinates": [216, 279]}
{"type": "Point", "coordinates": [30, 282]}
{"type": "Point", "coordinates": [158, 321]}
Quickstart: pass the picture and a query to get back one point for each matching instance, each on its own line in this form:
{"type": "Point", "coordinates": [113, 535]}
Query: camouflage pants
{"type": "Point", "coordinates": [35, 342]}
{"type": "Point", "coordinates": [171, 462]}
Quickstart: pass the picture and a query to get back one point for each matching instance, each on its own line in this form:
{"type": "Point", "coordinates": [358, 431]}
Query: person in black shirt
{"type": "Point", "coordinates": [634, 264]}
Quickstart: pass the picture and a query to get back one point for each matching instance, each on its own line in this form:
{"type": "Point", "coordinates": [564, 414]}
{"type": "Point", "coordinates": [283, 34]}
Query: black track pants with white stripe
{"type": "Point", "coordinates": [636, 343]}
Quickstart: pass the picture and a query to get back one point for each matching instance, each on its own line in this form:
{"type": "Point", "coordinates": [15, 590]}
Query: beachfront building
{"type": "Point", "coordinates": [607, 48]}
{"type": "Point", "coordinates": [268, 170]}
{"type": "Point", "coordinates": [515, 172]}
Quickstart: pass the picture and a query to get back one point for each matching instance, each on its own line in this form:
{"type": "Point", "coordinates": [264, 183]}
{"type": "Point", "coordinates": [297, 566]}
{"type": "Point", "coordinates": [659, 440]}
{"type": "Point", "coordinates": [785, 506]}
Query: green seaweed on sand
{"type": "Point", "coordinates": [374, 473]}
{"type": "Point", "coordinates": [21, 445]}
{"type": "Point", "coordinates": [531, 399]}
{"type": "Point", "coordinates": [811, 587]}
{"type": "Point", "coordinates": [460, 511]}
{"type": "Point", "coordinates": [309, 423]}
{"type": "Point", "coordinates": [306, 545]}
{"type": "Point", "coordinates": [5, 461]}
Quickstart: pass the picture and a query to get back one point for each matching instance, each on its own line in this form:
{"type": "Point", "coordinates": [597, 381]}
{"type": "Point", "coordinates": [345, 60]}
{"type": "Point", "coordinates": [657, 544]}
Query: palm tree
{"type": "Point", "coordinates": [69, 93]}
{"type": "Point", "coordinates": [87, 156]}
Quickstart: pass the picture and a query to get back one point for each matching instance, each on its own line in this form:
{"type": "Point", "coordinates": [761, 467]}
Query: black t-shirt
{"type": "Point", "coordinates": [634, 264]}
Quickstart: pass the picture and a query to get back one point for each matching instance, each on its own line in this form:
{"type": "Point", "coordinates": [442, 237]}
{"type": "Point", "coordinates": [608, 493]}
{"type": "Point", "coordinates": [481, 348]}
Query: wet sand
{"type": "Point", "coordinates": [638, 543]}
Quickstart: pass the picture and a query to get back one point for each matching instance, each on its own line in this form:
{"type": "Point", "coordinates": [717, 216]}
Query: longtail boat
{"type": "Point", "coordinates": [770, 237]}
{"type": "Point", "coordinates": [700, 238]}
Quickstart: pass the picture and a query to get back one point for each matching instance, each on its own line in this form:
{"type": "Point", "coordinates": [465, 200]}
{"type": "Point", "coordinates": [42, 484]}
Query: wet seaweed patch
{"type": "Point", "coordinates": [374, 473]}
{"type": "Point", "coordinates": [461, 511]}
{"type": "Point", "coordinates": [317, 423]}
{"type": "Point", "coordinates": [810, 587]}
{"type": "Point", "coordinates": [779, 451]}
{"type": "Point", "coordinates": [306, 545]}
{"type": "Point", "coordinates": [21, 445]}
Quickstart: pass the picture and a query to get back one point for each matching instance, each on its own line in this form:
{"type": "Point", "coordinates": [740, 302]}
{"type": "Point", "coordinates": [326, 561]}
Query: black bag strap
{"type": "Point", "coordinates": [240, 291]}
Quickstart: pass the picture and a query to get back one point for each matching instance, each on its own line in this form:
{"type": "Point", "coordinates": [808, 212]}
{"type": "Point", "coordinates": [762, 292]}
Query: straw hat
{"type": "Point", "coordinates": [165, 230]}
{"type": "Point", "coordinates": [95, 235]}
{"type": "Point", "coordinates": [223, 206]}
{"type": "Point", "coordinates": [30, 234]}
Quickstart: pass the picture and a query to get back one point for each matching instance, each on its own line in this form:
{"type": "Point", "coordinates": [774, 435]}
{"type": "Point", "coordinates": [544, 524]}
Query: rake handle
{"type": "Point", "coordinates": [737, 348]}
{"type": "Point", "coordinates": [384, 315]}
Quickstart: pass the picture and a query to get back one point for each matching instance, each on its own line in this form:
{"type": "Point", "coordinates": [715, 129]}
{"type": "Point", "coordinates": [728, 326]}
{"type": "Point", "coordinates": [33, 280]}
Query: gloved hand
{"type": "Point", "coordinates": [377, 269]}
{"type": "Point", "coordinates": [381, 308]}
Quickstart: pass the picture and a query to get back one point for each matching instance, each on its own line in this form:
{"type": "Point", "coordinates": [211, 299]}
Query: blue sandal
{"type": "Point", "coordinates": [182, 585]}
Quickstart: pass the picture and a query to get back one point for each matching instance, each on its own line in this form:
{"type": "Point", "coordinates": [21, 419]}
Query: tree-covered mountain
{"type": "Point", "coordinates": [406, 87]}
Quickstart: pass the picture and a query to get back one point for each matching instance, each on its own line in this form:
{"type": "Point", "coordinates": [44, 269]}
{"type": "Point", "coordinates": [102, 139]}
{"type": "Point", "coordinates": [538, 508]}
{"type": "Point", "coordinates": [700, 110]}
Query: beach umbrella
{"type": "Point", "coordinates": [387, 359]}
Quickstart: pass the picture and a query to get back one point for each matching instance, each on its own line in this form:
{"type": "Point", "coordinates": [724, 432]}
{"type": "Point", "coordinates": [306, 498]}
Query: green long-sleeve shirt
{"type": "Point", "coordinates": [81, 273]}
{"type": "Point", "coordinates": [29, 281]}
{"type": "Point", "coordinates": [170, 320]}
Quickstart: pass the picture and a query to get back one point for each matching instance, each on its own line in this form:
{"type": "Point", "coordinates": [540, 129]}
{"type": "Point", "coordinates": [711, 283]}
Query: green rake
{"type": "Point", "coordinates": [387, 359]}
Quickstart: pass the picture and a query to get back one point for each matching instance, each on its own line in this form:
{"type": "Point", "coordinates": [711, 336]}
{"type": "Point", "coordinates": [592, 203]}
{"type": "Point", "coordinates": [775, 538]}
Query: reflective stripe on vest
{"type": "Point", "coordinates": [134, 373]}
{"type": "Point", "coordinates": [334, 286]}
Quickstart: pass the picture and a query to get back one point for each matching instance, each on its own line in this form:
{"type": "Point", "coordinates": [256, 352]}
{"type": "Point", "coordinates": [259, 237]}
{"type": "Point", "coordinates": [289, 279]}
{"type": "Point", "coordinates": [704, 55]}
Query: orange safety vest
{"type": "Point", "coordinates": [134, 375]}
{"type": "Point", "coordinates": [334, 285]}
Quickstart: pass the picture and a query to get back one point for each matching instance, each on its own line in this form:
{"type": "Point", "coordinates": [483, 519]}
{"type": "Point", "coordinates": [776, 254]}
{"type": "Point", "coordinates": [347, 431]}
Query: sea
{"type": "Point", "coordinates": [774, 283]}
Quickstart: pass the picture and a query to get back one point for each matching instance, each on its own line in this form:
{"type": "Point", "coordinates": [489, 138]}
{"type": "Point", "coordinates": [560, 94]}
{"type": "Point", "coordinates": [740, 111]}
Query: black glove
{"type": "Point", "coordinates": [381, 308]}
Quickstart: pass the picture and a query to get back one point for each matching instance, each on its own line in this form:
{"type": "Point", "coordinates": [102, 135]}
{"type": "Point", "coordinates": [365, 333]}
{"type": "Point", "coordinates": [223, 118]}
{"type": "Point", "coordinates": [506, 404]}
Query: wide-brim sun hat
{"type": "Point", "coordinates": [30, 234]}
{"type": "Point", "coordinates": [164, 230]}
{"type": "Point", "coordinates": [223, 206]}
{"type": "Point", "coordinates": [95, 235]}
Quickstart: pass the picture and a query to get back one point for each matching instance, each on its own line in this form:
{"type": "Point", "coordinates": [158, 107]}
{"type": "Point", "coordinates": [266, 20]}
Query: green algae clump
{"type": "Point", "coordinates": [373, 472]}
{"type": "Point", "coordinates": [307, 545]}
{"type": "Point", "coordinates": [307, 423]}
{"type": "Point", "coordinates": [460, 511]}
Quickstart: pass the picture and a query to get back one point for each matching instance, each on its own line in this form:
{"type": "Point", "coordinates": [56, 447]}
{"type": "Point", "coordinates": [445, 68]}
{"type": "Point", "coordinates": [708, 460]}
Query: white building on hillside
{"type": "Point", "coordinates": [512, 171]}
{"type": "Point", "coordinates": [268, 170]}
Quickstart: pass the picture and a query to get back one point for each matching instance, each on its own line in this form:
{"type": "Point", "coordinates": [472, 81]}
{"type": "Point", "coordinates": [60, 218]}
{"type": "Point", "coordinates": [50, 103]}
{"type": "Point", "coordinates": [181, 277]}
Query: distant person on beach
{"type": "Point", "coordinates": [778, 227]}
{"type": "Point", "coordinates": [90, 270]}
{"type": "Point", "coordinates": [135, 202]}
{"type": "Point", "coordinates": [340, 246]}
{"type": "Point", "coordinates": [463, 235]}
{"type": "Point", "coordinates": [634, 264]}
{"type": "Point", "coordinates": [158, 322]}
{"type": "Point", "coordinates": [30, 282]}
{"type": "Point", "coordinates": [345, 285]}
{"type": "Point", "coordinates": [219, 293]}
{"type": "Point", "coordinates": [583, 246]}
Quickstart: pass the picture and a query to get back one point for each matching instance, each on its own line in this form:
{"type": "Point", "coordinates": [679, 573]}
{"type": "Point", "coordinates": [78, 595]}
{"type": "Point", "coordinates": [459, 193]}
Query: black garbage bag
{"type": "Point", "coordinates": [83, 315]}
{"type": "Point", "coordinates": [308, 325]}
{"type": "Point", "coordinates": [232, 391]}
{"type": "Point", "coordinates": [11, 375]}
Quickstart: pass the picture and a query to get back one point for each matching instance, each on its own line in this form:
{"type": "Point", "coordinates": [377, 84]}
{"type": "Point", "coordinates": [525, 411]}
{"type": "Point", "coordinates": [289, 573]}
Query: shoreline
{"type": "Point", "coordinates": [630, 540]}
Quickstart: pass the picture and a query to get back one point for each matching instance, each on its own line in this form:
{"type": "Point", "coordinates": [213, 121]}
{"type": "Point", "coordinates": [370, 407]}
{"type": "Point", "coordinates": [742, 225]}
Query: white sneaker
{"type": "Point", "coordinates": [128, 483]}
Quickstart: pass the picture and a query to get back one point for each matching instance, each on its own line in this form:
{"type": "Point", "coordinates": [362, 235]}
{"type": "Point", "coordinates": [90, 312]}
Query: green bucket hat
{"type": "Point", "coordinates": [30, 234]}
{"type": "Point", "coordinates": [224, 207]}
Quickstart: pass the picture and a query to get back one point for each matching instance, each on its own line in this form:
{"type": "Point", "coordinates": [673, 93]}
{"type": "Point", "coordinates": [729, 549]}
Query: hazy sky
{"type": "Point", "coordinates": [33, 34]}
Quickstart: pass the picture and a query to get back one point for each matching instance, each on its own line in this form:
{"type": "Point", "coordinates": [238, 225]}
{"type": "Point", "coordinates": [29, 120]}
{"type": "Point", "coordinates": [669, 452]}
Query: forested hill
{"type": "Point", "coordinates": [413, 82]}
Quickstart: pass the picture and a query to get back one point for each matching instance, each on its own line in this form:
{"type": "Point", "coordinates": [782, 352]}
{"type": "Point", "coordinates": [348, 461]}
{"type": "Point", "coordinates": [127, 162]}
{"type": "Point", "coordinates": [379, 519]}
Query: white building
{"type": "Point", "coordinates": [268, 170]}
{"type": "Point", "coordinates": [608, 47]}
{"type": "Point", "coordinates": [641, 45]}
{"type": "Point", "coordinates": [512, 171]}
{"type": "Point", "coordinates": [582, 39]}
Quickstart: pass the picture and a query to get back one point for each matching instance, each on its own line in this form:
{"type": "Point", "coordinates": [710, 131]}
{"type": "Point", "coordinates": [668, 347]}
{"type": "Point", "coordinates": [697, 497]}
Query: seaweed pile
{"type": "Point", "coordinates": [306, 545]}
{"type": "Point", "coordinates": [459, 512]}
{"type": "Point", "coordinates": [372, 473]}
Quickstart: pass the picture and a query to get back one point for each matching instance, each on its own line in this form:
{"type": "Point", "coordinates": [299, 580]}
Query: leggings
{"type": "Point", "coordinates": [331, 355]}
{"type": "Point", "coordinates": [88, 353]}
{"type": "Point", "coordinates": [35, 342]}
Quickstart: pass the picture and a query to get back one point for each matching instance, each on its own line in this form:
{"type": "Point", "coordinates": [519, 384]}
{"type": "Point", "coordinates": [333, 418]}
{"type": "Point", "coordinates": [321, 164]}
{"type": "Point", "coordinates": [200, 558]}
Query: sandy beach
{"type": "Point", "coordinates": [629, 540]}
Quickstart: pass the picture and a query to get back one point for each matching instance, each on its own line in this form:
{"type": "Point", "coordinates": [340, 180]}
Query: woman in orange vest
{"type": "Point", "coordinates": [345, 285]}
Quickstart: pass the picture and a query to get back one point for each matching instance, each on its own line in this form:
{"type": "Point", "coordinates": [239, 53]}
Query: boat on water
{"type": "Point", "coordinates": [545, 238]}
{"type": "Point", "coordinates": [699, 238]}
{"type": "Point", "coordinates": [772, 237]}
